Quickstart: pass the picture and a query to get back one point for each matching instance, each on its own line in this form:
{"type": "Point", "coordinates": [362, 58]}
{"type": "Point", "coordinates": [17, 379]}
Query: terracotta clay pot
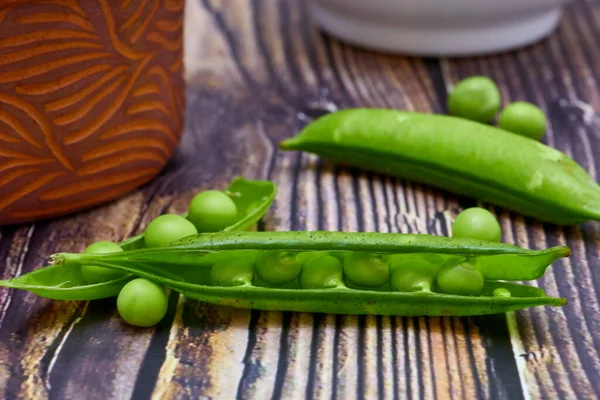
{"type": "Point", "coordinates": [91, 101]}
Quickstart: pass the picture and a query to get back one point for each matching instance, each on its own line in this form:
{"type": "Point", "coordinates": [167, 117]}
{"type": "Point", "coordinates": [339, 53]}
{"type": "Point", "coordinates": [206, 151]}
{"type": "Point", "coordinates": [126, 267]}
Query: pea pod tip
{"type": "Point", "coordinates": [563, 301]}
{"type": "Point", "coordinates": [557, 301]}
{"type": "Point", "coordinates": [565, 251]}
{"type": "Point", "coordinates": [288, 144]}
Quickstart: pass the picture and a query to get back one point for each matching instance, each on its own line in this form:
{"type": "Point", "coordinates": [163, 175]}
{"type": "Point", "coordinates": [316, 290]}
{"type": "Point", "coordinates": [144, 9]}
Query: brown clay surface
{"type": "Point", "coordinates": [91, 100]}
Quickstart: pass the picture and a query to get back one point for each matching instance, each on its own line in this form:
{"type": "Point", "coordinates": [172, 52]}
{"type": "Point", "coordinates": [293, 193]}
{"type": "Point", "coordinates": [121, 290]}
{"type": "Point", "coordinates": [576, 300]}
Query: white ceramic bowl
{"type": "Point", "coordinates": [438, 27]}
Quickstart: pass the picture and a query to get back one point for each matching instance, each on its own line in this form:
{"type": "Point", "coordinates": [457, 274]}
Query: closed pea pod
{"type": "Point", "coordinates": [318, 292]}
{"type": "Point", "coordinates": [458, 155]}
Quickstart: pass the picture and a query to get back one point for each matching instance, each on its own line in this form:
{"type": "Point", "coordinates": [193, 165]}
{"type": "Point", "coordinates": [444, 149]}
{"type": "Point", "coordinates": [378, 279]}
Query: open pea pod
{"type": "Point", "coordinates": [253, 199]}
{"type": "Point", "coordinates": [337, 272]}
{"type": "Point", "coordinates": [65, 283]}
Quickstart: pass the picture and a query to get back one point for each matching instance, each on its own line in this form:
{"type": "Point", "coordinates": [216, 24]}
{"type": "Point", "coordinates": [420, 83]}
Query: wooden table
{"type": "Point", "coordinates": [257, 73]}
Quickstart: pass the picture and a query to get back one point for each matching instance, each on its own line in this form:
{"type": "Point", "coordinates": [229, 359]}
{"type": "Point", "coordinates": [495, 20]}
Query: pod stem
{"type": "Point", "coordinates": [65, 259]}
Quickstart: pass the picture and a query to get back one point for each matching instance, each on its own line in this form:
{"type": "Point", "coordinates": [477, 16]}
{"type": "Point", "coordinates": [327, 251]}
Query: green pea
{"type": "Point", "coordinates": [340, 255]}
{"type": "Point", "coordinates": [96, 274]}
{"type": "Point", "coordinates": [411, 273]}
{"type": "Point", "coordinates": [304, 256]}
{"type": "Point", "coordinates": [366, 270]}
{"type": "Point", "coordinates": [212, 211]}
{"type": "Point", "coordinates": [278, 267]}
{"type": "Point", "coordinates": [142, 303]}
{"type": "Point", "coordinates": [501, 292]}
{"type": "Point", "coordinates": [476, 98]}
{"type": "Point", "coordinates": [477, 223]}
{"type": "Point", "coordinates": [401, 260]}
{"type": "Point", "coordinates": [464, 279]}
{"type": "Point", "coordinates": [168, 228]}
{"type": "Point", "coordinates": [523, 118]}
{"type": "Point", "coordinates": [321, 272]}
{"type": "Point", "coordinates": [232, 271]}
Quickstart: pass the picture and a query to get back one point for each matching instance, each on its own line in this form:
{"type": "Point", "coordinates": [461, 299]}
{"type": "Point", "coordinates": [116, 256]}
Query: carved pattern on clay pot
{"type": "Point", "coordinates": [91, 100]}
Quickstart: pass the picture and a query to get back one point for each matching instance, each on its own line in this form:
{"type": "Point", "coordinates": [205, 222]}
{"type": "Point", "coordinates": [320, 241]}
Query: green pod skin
{"type": "Point", "coordinates": [65, 283]}
{"type": "Point", "coordinates": [460, 156]}
{"type": "Point", "coordinates": [188, 278]}
{"type": "Point", "coordinates": [253, 196]}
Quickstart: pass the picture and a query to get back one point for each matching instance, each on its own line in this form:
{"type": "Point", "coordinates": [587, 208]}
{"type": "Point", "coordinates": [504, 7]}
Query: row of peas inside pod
{"type": "Point", "coordinates": [356, 270]}
{"type": "Point", "coordinates": [401, 272]}
{"type": "Point", "coordinates": [369, 273]}
{"type": "Point", "coordinates": [142, 302]}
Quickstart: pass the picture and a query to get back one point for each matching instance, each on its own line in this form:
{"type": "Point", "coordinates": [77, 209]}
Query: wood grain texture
{"type": "Point", "coordinates": [258, 72]}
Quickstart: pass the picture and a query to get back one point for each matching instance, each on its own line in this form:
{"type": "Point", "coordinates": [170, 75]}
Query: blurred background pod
{"type": "Point", "coordinates": [91, 101]}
